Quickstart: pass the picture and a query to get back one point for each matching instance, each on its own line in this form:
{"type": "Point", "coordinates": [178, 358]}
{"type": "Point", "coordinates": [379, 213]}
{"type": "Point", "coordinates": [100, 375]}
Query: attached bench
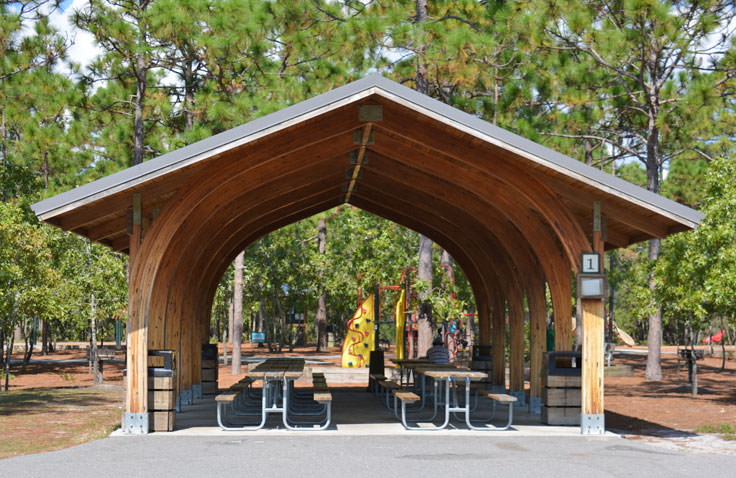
{"type": "Point", "coordinates": [320, 394]}
{"type": "Point", "coordinates": [405, 397]}
{"type": "Point", "coordinates": [388, 386]}
{"type": "Point", "coordinates": [226, 397]}
{"type": "Point", "coordinates": [501, 398]}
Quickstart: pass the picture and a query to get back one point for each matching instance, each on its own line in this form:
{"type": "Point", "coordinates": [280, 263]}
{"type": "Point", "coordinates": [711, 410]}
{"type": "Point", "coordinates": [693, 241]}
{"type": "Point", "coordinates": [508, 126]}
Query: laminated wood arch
{"type": "Point", "coordinates": [515, 215]}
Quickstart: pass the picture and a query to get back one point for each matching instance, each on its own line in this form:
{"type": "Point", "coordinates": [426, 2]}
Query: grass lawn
{"type": "Point", "coordinates": [39, 420]}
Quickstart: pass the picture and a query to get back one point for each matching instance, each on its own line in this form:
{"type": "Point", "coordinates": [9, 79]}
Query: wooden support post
{"type": "Point", "coordinates": [202, 337]}
{"type": "Point", "coordinates": [562, 305]}
{"type": "Point", "coordinates": [135, 420]}
{"type": "Point", "coordinates": [499, 344]}
{"type": "Point", "coordinates": [537, 342]}
{"type": "Point", "coordinates": [516, 360]}
{"type": "Point", "coordinates": [185, 357]}
{"type": "Point", "coordinates": [592, 420]}
{"type": "Point", "coordinates": [485, 315]}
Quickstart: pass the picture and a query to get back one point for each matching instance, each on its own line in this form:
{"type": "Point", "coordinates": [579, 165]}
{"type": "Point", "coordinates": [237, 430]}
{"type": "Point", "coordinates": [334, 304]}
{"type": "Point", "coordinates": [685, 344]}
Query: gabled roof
{"type": "Point", "coordinates": [634, 212]}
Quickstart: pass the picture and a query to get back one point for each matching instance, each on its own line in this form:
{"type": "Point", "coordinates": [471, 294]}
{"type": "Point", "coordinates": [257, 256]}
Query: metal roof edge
{"type": "Point", "coordinates": [135, 174]}
{"type": "Point", "coordinates": [687, 214]}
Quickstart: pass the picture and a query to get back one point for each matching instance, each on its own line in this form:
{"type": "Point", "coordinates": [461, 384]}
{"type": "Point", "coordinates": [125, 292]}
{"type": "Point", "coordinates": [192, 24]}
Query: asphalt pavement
{"type": "Point", "coordinates": [422, 454]}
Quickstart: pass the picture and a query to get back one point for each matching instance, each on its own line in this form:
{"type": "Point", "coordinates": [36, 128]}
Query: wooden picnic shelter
{"type": "Point", "coordinates": [515, 215]}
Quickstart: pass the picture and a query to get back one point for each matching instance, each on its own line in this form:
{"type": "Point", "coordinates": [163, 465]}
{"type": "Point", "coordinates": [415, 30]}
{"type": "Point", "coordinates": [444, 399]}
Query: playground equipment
{"type": "Point", "coordinates": [400, 315]}
{"type": "Point", "coordinates": [360, 338]}
{"type": "Point", "coordinates": [363, 335]}
{"type": "Point", "coordinates": [623, 336]}
{"type": "Point", "coordinates": [715, 338]}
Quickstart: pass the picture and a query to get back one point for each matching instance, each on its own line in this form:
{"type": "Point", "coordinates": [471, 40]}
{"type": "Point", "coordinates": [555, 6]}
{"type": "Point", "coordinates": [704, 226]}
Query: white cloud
{"type": "Point", "coordinates": [83, 48]}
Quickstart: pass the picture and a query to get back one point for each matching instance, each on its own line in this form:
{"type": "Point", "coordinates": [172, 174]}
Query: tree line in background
{"type": "Point", "coordinates": [639, 88]}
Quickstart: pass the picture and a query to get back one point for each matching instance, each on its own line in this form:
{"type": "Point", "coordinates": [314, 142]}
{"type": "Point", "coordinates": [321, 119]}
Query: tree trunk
{"type": "Point", "coordinates": [424, 270]}
{"type": "Point", "coordinates": [654, 342]}
{"type": "Point", "coordinates": [282, 322]}
{"type": "Point", "coordinates": [93, 337]}
{"type": "Point", "coordinates": [28, 350]}
{"type": "Point", "coordinates": [422, 77]}
{"type": "Point", "coordinates": [261, 318]}
{"type": "Point", "coordinates": [611, 296]}
{"type": "Point", "coordinates": [424, 273]}
{"type": "Point", "coordinates": [189, 94]}
{"type": "Point", "coordinates": [446, 261]}
{"type": "Point", "coordinates": [723, 344]}
{"type": "Point", "coordinates": [261, 314]}
{"type": "Point", "coordinates": [140, 98]}
{"type": "Point", "coordinates": [8, 355]}
{"type": "Point", "coordinates": [320, 320]}
{"type": "Point", "coordinates": [45, 337]}
{"type": "Point", "coordinates": [230, 315]}
{"type": "Point", "coordinates": [237, 337]}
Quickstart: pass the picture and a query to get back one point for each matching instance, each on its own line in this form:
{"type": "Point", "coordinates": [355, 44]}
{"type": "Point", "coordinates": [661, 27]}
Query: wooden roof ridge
{"type": "Point", "coordinates": [370, 85]}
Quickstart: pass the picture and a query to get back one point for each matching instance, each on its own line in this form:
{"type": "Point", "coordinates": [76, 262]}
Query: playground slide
{"type": "Point", "coordinates": [623, 336]}
{"type": "Point", "coordinates": [400, 323]}
{"type": "Point", "coordinates": [359, 339]}
{"type": "Point", "coordinates": [715, 338]}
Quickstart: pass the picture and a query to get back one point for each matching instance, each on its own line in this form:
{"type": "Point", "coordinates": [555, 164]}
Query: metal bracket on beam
{"type": "Point", "coordinates": [135, 423]}
{"type": "Point", "coordinates": [186, 397]}
{"type": "Point", "coordinates": [596, 216]}
{"type": "Point", "coordinates": [197, 391]}
{"type": "Point", "coordinates": [370, 113]}
{"type": "Point", "coordinates": [136, 209]}
{"type": "Point", "coordinates": [592, 424]}
{"type": "Point", "coordinates": [358, 137]}
{"type": "Point", "coordinates": [354, 158]}
{"type": "Point", "coordinates": [351, 174]}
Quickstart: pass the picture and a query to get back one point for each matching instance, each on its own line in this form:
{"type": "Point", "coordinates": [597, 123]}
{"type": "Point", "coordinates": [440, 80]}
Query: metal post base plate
{"type": "Point", "coordinates": [197, 391]}
{"type": "Point", "coordinates": [592, 424]}
{"type": "Point", "coordinates": [186, 397]}
{"type": "Point", "coordinates": [535, 405]}
{"type": "Point", "coordinates": [135, 423]}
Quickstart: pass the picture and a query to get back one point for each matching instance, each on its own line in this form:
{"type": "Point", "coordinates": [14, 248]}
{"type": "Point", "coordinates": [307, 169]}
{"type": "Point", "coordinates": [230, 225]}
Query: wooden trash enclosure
{"type": "Point", "coordinates": [561, 382]}
{"type": "Point", "coordinates": [161, 390]}
{"type": "Point", "coordinates": [514, 215]}
{"type": "Point", "coordinates": [209, 369]}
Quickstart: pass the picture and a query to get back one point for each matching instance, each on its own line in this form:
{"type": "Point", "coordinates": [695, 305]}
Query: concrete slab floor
{"type": "Point", "coordinates": [356, 412]}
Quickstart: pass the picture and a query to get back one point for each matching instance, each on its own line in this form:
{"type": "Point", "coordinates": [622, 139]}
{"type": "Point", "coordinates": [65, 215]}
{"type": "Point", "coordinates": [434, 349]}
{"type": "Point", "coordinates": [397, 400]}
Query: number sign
{"type": "Point", "coordinates": [591, 263]}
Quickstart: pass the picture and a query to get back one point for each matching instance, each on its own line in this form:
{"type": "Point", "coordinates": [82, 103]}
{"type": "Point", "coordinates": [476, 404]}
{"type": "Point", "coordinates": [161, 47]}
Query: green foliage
{"type": "Point", "coordinates": [634, 300]}
{"type": "Point", "coordinates": [697, 273]}
{"type": "Point", "coordinates": [727, 431]}
{"type": "Point", "coordinates": [576, 76]}
{"type": "Point", "coordinates": [284, 270]}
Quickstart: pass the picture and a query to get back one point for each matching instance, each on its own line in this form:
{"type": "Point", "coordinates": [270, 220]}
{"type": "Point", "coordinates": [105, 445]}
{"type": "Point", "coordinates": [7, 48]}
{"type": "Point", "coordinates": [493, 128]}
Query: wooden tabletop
{"type": "Point", "coordinates": [409, 362]}
{"type": "Point", "coordinates": [456, 373]}
{"type": "Point", "coordinates": [278, 367]}
{"type": "Point", "coordinates": [421, 368]}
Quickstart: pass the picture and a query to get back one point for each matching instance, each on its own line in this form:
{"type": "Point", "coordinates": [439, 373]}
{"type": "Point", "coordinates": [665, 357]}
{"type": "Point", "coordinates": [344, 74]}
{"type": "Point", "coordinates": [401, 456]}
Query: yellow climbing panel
{"type": "Point", "coordinates": [356, 349]}
{"type": "Point", "coordinates": [400, 325]}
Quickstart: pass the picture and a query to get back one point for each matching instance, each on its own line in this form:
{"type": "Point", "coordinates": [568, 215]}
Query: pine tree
{"type": "Point", "coordinates": [649, 74]}
{"type": "Point", "coordinates": [126, 71]}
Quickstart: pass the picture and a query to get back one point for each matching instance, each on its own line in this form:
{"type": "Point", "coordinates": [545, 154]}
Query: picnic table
{"type": "Point", "coordinates": [446, 379]}
{"type": "Point", "coordinates": [277, 396]}
{"type": "Point", "coordinates": [408, 364]}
